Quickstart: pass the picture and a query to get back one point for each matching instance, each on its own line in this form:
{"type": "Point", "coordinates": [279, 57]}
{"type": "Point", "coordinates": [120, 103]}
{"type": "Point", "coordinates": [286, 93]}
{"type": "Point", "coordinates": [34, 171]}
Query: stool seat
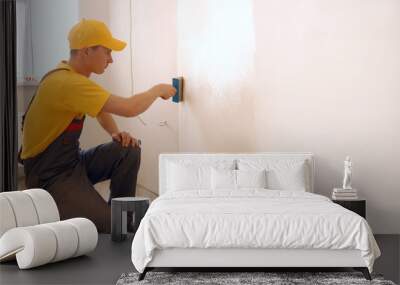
{"type": "Point", "coordinates": [119, 208]}
{"type": "Point", "coordinates": [130, 199]}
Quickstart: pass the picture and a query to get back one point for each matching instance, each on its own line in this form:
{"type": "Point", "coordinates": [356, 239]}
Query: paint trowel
{"type": "Point", "coordinates": [177, 82]}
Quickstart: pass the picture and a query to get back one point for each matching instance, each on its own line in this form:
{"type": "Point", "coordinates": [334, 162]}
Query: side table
{"type": "Point", "coordinates": [358, 206]}
{"type": "Point", "coordinates": [119, 208]}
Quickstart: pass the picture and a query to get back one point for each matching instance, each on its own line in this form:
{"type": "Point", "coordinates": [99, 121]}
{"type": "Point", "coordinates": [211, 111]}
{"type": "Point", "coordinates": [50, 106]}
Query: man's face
{"type": "Point", "coordinates": [98, 58]}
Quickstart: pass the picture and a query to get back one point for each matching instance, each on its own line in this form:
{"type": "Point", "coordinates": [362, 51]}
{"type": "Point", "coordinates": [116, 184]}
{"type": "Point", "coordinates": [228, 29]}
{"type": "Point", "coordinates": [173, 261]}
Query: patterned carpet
{"type": "Point", "coordinates": [243, 278]}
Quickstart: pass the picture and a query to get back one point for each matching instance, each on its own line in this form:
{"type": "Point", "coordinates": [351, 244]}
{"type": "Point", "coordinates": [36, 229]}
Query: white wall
{"type": "Point", "coordinates": [323, 77]}
{"type": "Point", "coordinates": [330, 85]}
{"type": "Point", "coordinates": [154, 61]}
{"type": "Point", "coordinates": [46, 52]}
{"type": "Point", "coordinates": [152, 40]}
{"type": "Point", "coordinates": [93, 134]}
{"type": "Point", "coordinates": [216, 55]}
{"type": "Point", "coordinates": [319, 76]}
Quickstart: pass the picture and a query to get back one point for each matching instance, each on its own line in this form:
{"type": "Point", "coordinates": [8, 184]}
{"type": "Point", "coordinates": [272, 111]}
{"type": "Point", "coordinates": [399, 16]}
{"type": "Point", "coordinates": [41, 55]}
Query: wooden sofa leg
{"type": "Point", "coordinates": [143, 274]}
{"type": "Point", "coordinates": [364, 271]}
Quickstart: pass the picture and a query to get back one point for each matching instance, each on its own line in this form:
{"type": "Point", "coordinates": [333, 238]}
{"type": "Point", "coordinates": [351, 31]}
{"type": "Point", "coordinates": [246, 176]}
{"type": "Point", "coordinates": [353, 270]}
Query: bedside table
{"type": "Point", "coordinates": [358, 206]}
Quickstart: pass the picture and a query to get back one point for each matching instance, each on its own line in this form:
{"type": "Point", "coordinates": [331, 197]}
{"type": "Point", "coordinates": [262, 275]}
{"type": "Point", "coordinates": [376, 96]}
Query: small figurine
{"type": "Point", "coordinates": [347, 173]}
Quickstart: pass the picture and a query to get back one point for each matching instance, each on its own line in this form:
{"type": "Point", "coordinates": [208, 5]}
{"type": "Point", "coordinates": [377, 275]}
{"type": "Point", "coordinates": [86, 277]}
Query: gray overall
{"type": "Point", "coordinates": [69, 173]}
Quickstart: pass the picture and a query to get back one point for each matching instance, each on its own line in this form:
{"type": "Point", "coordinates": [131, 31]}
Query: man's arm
{"type": "Point", "coordinates": [137, 104]}
{"type": "Point", "coordinates": [107, 122]}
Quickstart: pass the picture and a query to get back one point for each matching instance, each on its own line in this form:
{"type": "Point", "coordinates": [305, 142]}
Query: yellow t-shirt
{"type": "Point", "coordinates": [62, 96]}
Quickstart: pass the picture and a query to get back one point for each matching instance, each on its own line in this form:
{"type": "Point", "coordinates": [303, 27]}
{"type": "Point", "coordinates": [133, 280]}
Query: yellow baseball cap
{"type": "Point", "coordinates": [88, 33]}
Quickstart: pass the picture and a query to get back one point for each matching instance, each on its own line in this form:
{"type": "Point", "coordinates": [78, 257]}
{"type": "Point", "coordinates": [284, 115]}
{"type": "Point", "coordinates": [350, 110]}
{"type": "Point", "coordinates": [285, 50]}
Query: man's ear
{"type": "Point", "coordinates": [85, 51]}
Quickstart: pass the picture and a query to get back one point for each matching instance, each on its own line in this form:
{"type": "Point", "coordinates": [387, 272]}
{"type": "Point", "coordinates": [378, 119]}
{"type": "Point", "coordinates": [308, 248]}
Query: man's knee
{"type": "Point", "coordinates": [134, 154]}
{"type": "Point", "coordinates": [131, 154]}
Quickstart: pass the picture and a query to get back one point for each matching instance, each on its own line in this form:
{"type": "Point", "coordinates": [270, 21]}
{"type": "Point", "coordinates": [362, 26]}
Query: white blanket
{"type": "Point", "coordinates": [250, 218]}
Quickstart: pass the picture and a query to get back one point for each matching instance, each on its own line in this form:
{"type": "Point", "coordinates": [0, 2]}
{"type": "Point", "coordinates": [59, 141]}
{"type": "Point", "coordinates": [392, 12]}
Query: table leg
{"type": "Point", "coordinates": [116, 222]}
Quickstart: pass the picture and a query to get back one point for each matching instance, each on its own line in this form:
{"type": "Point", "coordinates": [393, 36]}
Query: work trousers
{"type": "Point", "coordinates": [69, 174]}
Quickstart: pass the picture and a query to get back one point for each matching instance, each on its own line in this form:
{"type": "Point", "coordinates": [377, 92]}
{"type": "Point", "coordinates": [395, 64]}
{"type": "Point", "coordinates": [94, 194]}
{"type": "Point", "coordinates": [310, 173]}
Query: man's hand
{"type": "Point", "coordinates": [164, 91]}
{"type": "Point", "coordinates": [125, 139]}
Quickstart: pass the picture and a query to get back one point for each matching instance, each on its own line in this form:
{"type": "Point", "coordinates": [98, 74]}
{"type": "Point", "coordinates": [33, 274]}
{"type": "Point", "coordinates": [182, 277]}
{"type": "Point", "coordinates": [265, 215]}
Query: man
{"type": "Point", "coordinates": [54, 120]}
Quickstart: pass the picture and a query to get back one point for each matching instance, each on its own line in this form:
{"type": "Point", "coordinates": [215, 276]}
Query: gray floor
{"type": "Point", "coordinates": [389, 262]}
{"type": "Point", "coordinates": [110, 260]}
{"type": "Point", "coordinates": [103, 266]}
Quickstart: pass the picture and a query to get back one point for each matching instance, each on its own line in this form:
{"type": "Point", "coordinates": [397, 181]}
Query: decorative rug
{"type": "Point", "coordinates": [243, 278]}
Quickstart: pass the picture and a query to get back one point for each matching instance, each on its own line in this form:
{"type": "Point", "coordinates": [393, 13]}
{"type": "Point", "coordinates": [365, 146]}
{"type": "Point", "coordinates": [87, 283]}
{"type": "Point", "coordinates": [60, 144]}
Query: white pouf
{"type": "Point", "coordinates": [31, 232]}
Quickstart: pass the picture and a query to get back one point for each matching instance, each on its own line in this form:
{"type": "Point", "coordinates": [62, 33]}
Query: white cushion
{"type": "Point", "coordinates": [223, 179]}
{"type": "Point", "coordinates": [33, 246]}
{"type": "Point", "coordinates": [282, 174]}
{"type": "Point", "coordinates": [67, 239]}
{"type": "Point", "coordinates": [45, 205]}
{"type": "Point", "coordinates": [186, 175]}
{"type": "Point", "coordinates": [23, 208]}
{"type": "Point", "coordinates": [268, 161]}
{"type": "Point", "coordinates": [251, 178]}
{"type": "Point", "coordinates": [87, 233]}
{"type": "Point", "coordinates": [26, 208]}
{"type": "Point", "coordinates": [236, 179]}
{"type": "Point", "coordinates": [7, 218]}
